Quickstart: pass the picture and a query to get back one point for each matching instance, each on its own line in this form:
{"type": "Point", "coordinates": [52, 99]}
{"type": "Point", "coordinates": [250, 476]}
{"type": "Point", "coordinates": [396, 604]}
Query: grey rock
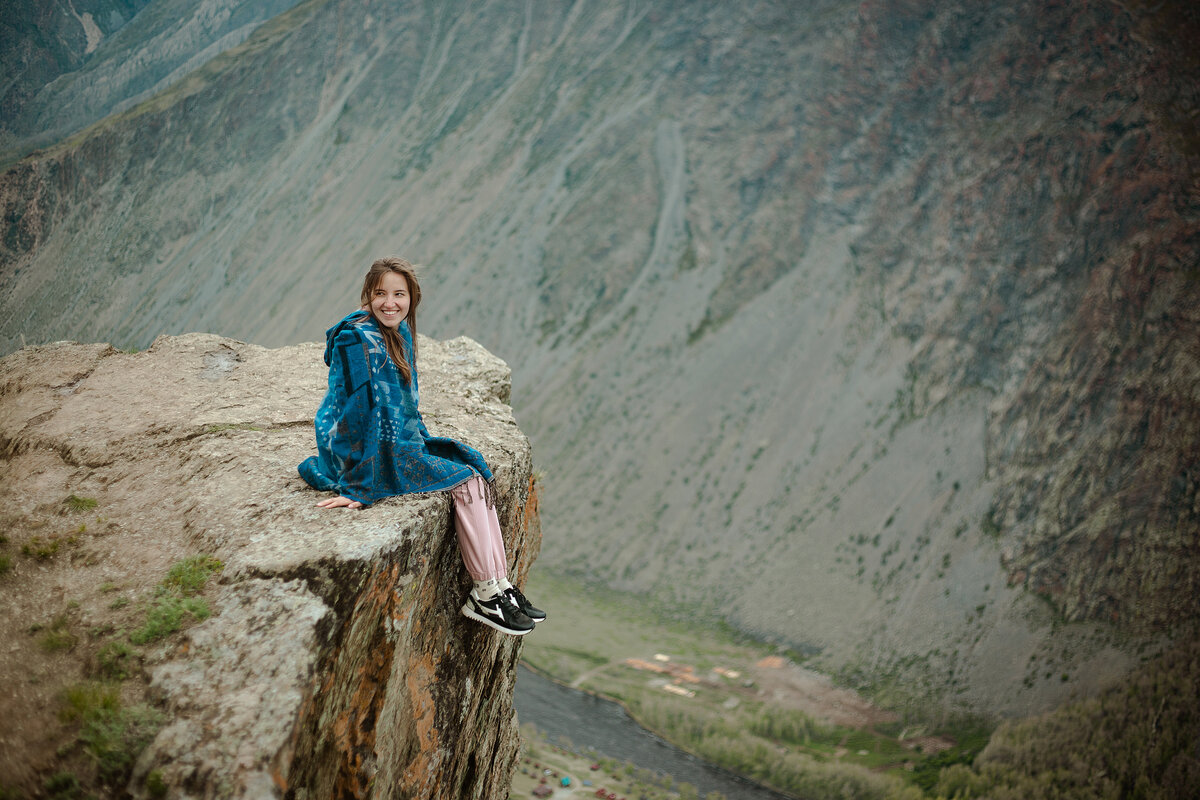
{"type": "Point", "coordinates": [336, 662]}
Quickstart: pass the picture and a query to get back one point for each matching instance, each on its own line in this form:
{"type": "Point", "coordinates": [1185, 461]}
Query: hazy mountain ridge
{"type": "Point", "coordinates": [41, 41]}
{"type": "Point", "coordinates": [103, 72]}
{"type": "Point", "coordinates": [786, 291]}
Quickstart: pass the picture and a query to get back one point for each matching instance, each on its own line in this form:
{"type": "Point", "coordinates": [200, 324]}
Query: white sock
{"type": "Point", "coordinates": [504, 584]}
{"type": "Point", "coordinates": [486, 590]}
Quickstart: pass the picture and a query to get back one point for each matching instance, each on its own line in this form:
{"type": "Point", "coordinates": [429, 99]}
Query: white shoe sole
{"type": "Point", "coordinates": [470, 613]}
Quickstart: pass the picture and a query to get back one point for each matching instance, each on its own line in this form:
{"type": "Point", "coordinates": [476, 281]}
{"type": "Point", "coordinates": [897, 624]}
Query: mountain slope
{"type": "Point", "coordinates": [73, 64]}
{"type": "Point", "coordinates": [868, 327]}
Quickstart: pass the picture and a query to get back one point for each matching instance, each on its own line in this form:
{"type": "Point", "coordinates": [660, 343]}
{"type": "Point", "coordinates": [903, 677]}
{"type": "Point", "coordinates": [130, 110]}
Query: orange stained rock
{"type": "Point", "coordinates": [354, 729]}
{"type": "Point", "coordinates": [421, 775]}
{"type": "Point", "coordinates": [531, 507]}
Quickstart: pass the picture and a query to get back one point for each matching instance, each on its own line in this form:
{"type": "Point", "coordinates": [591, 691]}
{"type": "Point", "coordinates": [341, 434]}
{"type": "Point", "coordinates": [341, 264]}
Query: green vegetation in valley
{"type": "Point", "coordinates": [819, 766]}
{"type": "Point", "coordinates": [540, 759]}
{"type": "Point", "coordinates": [971, 736]}
{"type": "Point", "coordinates": [723, 722]}
{"type": "Point", "coordinates": [1135, 740]}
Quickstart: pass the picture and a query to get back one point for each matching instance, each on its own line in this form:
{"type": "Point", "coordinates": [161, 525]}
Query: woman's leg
{"type": "Point", "coordinates": [478, 530]}
{"type": "Point", "coordinates": [482, 549]}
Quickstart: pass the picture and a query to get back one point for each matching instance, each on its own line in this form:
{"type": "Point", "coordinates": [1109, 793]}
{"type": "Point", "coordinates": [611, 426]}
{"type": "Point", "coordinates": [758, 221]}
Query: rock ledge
{"type": "Point", "coordinates": [336, 662]}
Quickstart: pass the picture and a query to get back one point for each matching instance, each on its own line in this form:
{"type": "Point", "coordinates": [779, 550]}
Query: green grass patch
{"type": "Point", "coordinates": [156, 784]}
{"type": "Point", "coordinates": [110, 734]}
{"type": "Point", "coordinates": [115, 741]}
{"type": "Point", "coordinates": [41, 548]}
{"type": "Point", "coordinates": [84, 701]}
{"type": "Point", "coordinates": [166, 615]}
{"type": "Point", "coordinates": [114, 661]}
{"type": "Point", "coordinates": [595, 630]}
{"type": "Point", "coordinates": [175, 601]}
{"type": "Point", "coordinates": [5, 566]}
{"type": "Point", "coordinates": [57, 636]}
{"type": "Point", "coordinates": [872, 750]}
{"type": "Point", "coordinates": [62, 785]}
{"type": "Point", "coordinates": [188, 577]}
{"type": "Point", "coordinates": [103, 629]}
{"type": "Point", "coordinates": [74, 503]}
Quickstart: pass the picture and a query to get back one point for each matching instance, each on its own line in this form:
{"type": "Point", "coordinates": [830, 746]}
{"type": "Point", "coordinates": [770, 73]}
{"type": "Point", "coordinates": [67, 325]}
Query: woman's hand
{"type": "Point", "coordinates": [339, 502]}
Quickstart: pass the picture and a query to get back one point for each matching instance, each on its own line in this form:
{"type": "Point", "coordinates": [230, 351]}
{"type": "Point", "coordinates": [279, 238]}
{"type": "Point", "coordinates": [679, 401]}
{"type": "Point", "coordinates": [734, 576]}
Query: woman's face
{"type": "Point", "coordinates": [389, 301]}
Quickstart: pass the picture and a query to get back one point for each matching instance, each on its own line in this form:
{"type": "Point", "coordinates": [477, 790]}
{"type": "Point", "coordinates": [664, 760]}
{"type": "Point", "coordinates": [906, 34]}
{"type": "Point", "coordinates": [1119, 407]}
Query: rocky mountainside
{"type": "Point", "coordinates": [39, 42]}
{"type": "Point", "coordinates": [335, 662]}
{"type": "Point", "coordinates": [868, 327]}
{"type": "Point", "coordinates": [67, 65]}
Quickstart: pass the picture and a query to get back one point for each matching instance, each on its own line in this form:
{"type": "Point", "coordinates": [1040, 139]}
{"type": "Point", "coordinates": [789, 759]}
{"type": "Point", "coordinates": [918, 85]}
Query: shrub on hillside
{"type": "Point", "coordinates": [1137, 741]}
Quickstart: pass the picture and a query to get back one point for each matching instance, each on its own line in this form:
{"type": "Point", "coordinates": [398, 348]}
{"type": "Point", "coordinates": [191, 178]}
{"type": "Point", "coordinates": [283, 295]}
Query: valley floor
{"type": "Point", "coordinates": [735, 702]}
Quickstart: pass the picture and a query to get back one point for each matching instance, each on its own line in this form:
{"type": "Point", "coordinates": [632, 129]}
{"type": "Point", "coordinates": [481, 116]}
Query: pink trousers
{"type": "Point", "coordinates": [478, 529]}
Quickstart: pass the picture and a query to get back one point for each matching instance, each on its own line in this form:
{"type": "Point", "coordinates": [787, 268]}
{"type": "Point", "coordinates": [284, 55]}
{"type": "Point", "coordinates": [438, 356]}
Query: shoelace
{"type": "Point", "coordinates": [508, 603]}
{"type": "Point", "coordinates": [517, 597]}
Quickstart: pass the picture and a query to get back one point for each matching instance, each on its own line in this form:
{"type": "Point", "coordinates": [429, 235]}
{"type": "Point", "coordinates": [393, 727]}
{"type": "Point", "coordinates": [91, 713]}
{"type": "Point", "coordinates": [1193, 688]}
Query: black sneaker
{"type": "Point", "coordinates": [499, 612]}
{"type": "Point", "coordinates": [527, 608]}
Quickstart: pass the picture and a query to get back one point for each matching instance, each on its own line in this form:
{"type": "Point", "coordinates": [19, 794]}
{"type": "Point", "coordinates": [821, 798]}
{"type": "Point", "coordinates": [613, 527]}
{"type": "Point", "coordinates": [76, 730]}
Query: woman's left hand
{"type": "Point", "coordinates": [339, 502]}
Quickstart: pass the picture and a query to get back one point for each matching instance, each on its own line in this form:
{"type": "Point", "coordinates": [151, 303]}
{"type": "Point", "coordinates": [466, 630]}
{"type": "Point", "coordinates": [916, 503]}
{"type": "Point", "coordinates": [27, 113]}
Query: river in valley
{"type": "Point", "coordinates": [590, 722]}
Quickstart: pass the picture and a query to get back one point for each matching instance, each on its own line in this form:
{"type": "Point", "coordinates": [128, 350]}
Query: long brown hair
{"type": "Point", "coordinates": [395, 345]}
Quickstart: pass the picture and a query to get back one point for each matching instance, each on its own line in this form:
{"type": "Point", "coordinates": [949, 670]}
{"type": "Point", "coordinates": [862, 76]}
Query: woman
{"type": "Point", "coordinates": [372, 443]}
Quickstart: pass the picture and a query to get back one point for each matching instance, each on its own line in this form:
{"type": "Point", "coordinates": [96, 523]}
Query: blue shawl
{"type": "Point", "coordinates": [371, 441]}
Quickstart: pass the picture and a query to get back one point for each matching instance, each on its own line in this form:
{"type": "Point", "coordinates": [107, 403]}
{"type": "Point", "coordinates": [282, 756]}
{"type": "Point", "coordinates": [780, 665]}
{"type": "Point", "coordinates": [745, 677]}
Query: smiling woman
{"type": "Point", "coordinates": [390, 300]}
{"type": "Point", "coordinates": [391, 293]}
{"type": "Point", "coordinates": [372, 442]}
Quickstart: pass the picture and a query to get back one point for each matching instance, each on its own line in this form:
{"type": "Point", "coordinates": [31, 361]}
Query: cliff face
{"type": "Point", "coordinates": [885, 309]}
{"type": "Point", "coordinates": [335, 662]}
{"type": "Point", "coordinates": [1055, 262]}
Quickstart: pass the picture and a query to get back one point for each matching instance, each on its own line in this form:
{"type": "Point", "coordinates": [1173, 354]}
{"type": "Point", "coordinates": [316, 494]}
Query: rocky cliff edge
{"type": "Point", "coordinates": [335, 661]}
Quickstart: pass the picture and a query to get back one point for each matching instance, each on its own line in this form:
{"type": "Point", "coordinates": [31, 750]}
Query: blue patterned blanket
{"type": "Point", "coordinates": [371, 441]}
